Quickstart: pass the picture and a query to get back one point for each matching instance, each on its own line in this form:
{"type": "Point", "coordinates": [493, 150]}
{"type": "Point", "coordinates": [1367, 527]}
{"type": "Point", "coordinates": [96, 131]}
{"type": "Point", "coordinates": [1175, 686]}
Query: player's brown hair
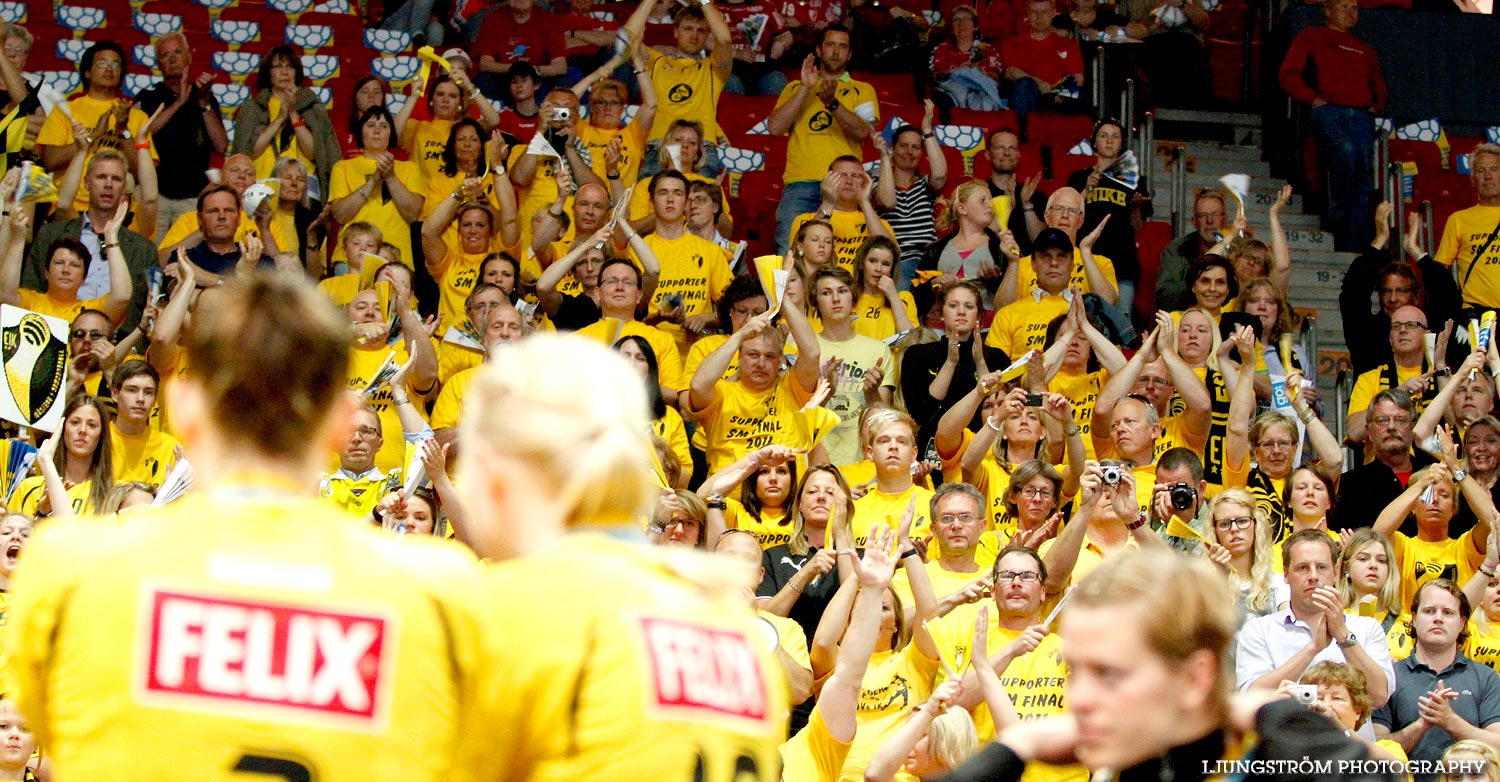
{"type": "Point", "coordinates": [277, 327]}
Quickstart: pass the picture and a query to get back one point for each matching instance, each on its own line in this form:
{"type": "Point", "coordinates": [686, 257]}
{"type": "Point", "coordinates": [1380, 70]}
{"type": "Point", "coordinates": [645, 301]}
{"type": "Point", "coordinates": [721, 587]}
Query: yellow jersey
{"type": "Point", "coordinates": [813, 755]}
{"type": "Point", "coordinates": [47, 304]}
{"type": "Point", "coordinates": [363, 364]}
{"type": "Point", "coordinates": [450, 401]}
{"type": "Point", "coordinates": [773, 528]}
{"type": "Point", "coordinates": [456, 274]}
{"type": "Point", "coordinates": [640, 197]}
{"type": "Point", "coordinates": [255, 632]}
{"type": "Point", "coordinates": [1026, 274]}
{"type": "Point", "coordinates": [265, 163]}
{"type": "Point", "coordinates": [671, 429]}
{"type": "Point", "coordinates": [686, 88]}
{"type": "Point", "coordinates": [350, 174]}
{"type": "Point", "coordinates": [1034, 682]}
{"type": "Point", "coordinates": [424, 141]}
{"type": "Point", "coordinates": [895, 683]}
{"type": "Point", "coordinates": [57, 130]}
{"type": "Point", "coordinates": [440, 186]}
{"type": "Point", "coordinates": [816, 138]}
{"type": "Point", "coordinates": [144, 457]}
{"type": "Point", "coordinates": [29, 494]}
{"type": "Point", "coordinates": [1483, 644]}
{"type": "Point", "coordinates": [695, 269]}
{"type": "Point", "coordinates": [1419, 561]}
{"type": "Point", "coordinates": [1083, 392]}
{"type": "Point", "coordinates": [454, 358]}
{"type": "Point", "coordinates": [944, 583]}
{"type": "Point", "coordinates": [878, 507]}
{"type": "Point", "coordinates": [850, 229]}
{"type": "Point", "coordinates": [630, 670]}
{"type": "Point", "coordinates": [187, 223]}
{"type": "Point", "coordinates": [632, 146]}
{"type": "Point", "coordinates": [668, 357]}
{"type": "Point", "coordinates": [1022, 325]}
{"type": "Point", "coordinates": [873, 316]}
{"type": "Point", "coordinates": [738, 420]}
{"type": "Point", "coordinates": [1465, 232]}
{"type": "Point", "coordinates": [357, 495]}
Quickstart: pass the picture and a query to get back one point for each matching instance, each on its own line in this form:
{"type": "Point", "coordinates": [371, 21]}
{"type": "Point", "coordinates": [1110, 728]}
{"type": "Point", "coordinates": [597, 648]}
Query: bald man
{"type": "Point", "coordinates": [1412, 372]}
{"type": "Point", "coordinates": [1091, 273]}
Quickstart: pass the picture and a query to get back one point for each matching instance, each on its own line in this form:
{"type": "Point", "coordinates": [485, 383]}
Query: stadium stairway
{"type": "Point", "coordinates": [1317, 270]}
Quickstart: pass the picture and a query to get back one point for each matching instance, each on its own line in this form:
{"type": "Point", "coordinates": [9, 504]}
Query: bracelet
{"type": "Point", "coordinates": [991, 424]}
{"type": "Point", "coordinates": [929, 135]}
{"type": "Point", "coordinates": [474, 94]}
{"type": "Point", "coordinates": [1487, 570]}
{"type": "Point", "coordinates": [1074, 431]}
{"type": "Point", "coordinates": [612, 177]}
{"type": "Point", "coordinates": [146, 145]}
{"type": "Point", "coordinates": [911, 552]}
{"type": "Point", "coordinates": [1135, 525]}
{"type": "Point", "coordinates": [110, 245]}
{"type": "Point", "coordinates": [1307, 415]}
{"type": "Point", "coordinates": [1028, 208]}
{"type": "Point", "coordinates": [795, 588]}
{"type": "Point", "coordinates": [554, 215]}
{"type": "Point", "coordinates": [831, 106]}
{"type": "Point", "coordinates": [401, 400]}
{"type": "Point", "coordinates": [299, 124]}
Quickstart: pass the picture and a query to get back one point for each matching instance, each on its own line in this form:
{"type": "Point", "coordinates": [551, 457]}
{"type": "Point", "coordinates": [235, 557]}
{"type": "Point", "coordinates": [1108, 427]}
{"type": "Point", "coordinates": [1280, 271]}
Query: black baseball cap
{"type": "Point", "coordinates": [1051, 238]}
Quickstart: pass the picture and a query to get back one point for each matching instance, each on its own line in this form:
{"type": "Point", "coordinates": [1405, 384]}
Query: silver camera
{"type": "Point", "coordinates": [1305, 694]}
{"type": "Point", "coordinates": [561, 114]}
{"type": "Point", "coordinates": [1111, 474]}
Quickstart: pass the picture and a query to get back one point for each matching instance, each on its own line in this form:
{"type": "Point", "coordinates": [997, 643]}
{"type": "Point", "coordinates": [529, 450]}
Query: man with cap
{"type": "Point", "coordinates": [1022, 324]}
{"type": "Point", "coordinates": [1091, 273]}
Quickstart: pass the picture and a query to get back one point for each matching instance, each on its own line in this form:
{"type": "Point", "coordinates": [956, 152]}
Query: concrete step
{"type": "Point", "coordinates": [1304, 240]}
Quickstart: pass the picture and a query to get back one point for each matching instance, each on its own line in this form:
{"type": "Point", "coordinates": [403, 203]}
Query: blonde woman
{"type": "Point", "coordinates": [1432, 552]}
{"type": "Point", "coordinates": [1483, 591]}
{"type": "Point", "coordinates": [803, 574]}
{"type": "Point", "coordinates": [1481, 762]}
{"type": "Point", "coordinates": [1242, 549]}
{"type": "Point", "coordinates": [557, 476]}
{"type": "Point", "coordinates": [968, 248]}
{"type": "Point", "coordinates": [1371, 587]}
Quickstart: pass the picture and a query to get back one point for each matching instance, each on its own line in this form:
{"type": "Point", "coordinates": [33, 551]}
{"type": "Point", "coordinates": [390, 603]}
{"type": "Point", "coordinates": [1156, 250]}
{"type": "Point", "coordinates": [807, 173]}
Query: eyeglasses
{"type": "Point", "coordinates": [367, 432]}
{"type": "Point", "coordinates": [623, 282]}
{"type": "Point", "coordinates": [481, 306]}
{"type": "Point", "coordinates": [1036, 494]}
{"type": "Point", "coordinates": [1407, 325]}
{"type": "Point", "coordinates": [684, 523]}
{"type": "Point", "coordinates": [1154, 381]}
{"type": "Point", "coordinates": [1277, 445]}
{"type": "Point", "coordinates": [1025, 576]}
{"type": "Point", "coordinates": [1066, 210]}
{"type": "Point", "coordinates": [108, 65]}
{"type": "Point", "coordinates": [81, 334]}
{"type": "Point", "coordinates": [1238, 522]}
{"type": "Point", "coordinates": [1207, 215]}
{"type": "Point", "coordinates": [1391, 420]}
{"type": "Point", "coordinates": [962, 518]}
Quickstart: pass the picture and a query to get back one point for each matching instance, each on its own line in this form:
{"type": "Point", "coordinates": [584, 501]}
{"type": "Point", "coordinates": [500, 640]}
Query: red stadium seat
{"type": "Point", "coordinates": [989, 120]}
{"type": "Point", "coordinates": [1059, 130]}
{"type": "Point", "coordinates": [1425, 154]}
{"type": "Point", "coordinates": [739, 113]}
{"type": "Point", "coordinates": [891, 87]}
{"type": "Point", "coordinates": [1150, 240]}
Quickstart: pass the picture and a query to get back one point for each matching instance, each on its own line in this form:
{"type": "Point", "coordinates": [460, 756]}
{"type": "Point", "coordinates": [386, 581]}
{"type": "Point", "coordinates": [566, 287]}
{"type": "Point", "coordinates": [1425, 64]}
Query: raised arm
{"type": "Point", "coordinates": [715, 364]}
{"type": "Point", "coordinates": [162, 352]}
{"type": "Point", "coordinates": [840, 696]}
{"type": "Point", "coordinates": [505, 192]}
{"type": "Point", "coordinates": [1062, 556]}
{"type": "Point", "coordinates": [809, 354]}
{"type": "Point", "coordinates": [15, 242]}
{"type": "Point", "coordinates": [554, 274]}
{"type": "Point", "coordinates": [120, 287]}
{"type": "Point", "coordinates": [1118, 386]}
{"type": "Point", "coordinates": [723, 43]}
{"type": "Point", "coordinates": [1189, 387]}
{"type": "Point", "coordinates": [823, 652]}
{"type": "Point", "coordinates": [783, 116]}
{"type": "Point", "coordinates": [885, 187]}
{"type": "Point", "coordinates": [1437, 408]}
{"type": "Point", "coordinates": [406, 133]}
{"type": "Point", "coordinates": [1397, 510]}
{"type": "Point", "coordinates": [434, 249]}
{"type": "Point", "coordinates": [1099, 284]}
{"type": "Point", "coordinates": [951, 426]}
{"type": "Point", "coordinates": [1281, 253]}
{"type": "Point", "coordinates": [1241, 405]}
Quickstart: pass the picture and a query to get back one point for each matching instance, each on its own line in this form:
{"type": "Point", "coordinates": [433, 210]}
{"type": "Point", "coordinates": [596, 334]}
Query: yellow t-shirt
{"type": "Point", "coordinates": [57, 308]}
{"type": "Point", "coordinates": [57, 130]}
{"type": "Point", "coordinates": [187, 223]}
{"type": "Point", "coordinates": [816, 138]}
{"type": "Point", "coordinates": [630, 671]}
{"type": "Point", "coordinates": [145, 458]}
{"type": "Point", "coordinates": [1484, 640]}
{"type": "Point", "coordinates": [1026, 274]}
{"type": "Point", "coordinates": [350, 175]}
{"type": "Point", "coordinates": [860, 355]}
{"type": "Point", "coordinates": [245, 624]}
{"type": "Point", "coordinates": [632, 146]}
{"type": "Point", "coordinates": [1463, 235]}
{"type": "Point", "coordinates": [357, 496]}
{"type": "Point", "coordinates": [790, 637]}
{"type": "Point", "coordinates": [737, 420]}
{"type": "Point", "coordinates": [668, 358]}
{"type": "Point", "coordinates": [773, 528]}
{"type": "Point", "coordinates": [450, 400]}
{"type": "Point", "coordinates": [363, 364]}
{"type": "Point", "coordinates": [1370, 383]}
{"type": "Point", "coordinates": [849, 232]}
{"type": "Point", "coordinates": [874, 318]}
{"type": "Point", "coordinates": [671, 429]}
{"type": "Point", "coordinates": [454, 358]}
{"type": "Point", "coordinates": [944, 583]}
{"type": "Point", "coordinates": [31, 491]}
{"type": "Point", "coordinates": [265, 163]}
{"type": "Point", "coordinates": [424, 141]}
{"type": "Point", "coordinates": [895, 683]}
{"type": "Point", "coordinates": [456, 274]}
{"type": "Point", "coordinates": [813, 755]}
{"type": "Point", "coordinates": [640, 197]}
{"type": "Point", "coordinates": [1083, 392]}
{"type": "Point", "coordinates": [1034, 682]}
{"type": "Point", "coordinates": [878, 507]}
{"type": "Point", "coordinates": [686, 88]}
{"type": "Point", "coordinates": [700, 350]}
{"type": "Point", "coordinates": [1090, 556]}
{"type": "Point", "coordinates": [1419, 561]}
{"type": "Point", "coordinates": [693, 268]}
{"type": "Point", "coordinates": [441, 186]}
{"type": "Point", "coordinates": [1022, 325]}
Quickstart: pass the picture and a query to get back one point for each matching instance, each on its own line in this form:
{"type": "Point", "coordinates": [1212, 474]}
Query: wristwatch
{"type": "Point", "coordinates": [715, 501]}
{"type": "Point", "coordinates": [1459, 476]}
{"type": "Point", "coordinates": [1346, 642]}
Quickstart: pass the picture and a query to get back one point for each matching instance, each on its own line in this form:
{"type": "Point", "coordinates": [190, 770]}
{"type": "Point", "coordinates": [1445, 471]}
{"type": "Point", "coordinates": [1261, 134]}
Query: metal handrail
{"type": "Point", "coordinates": [1428, 229]}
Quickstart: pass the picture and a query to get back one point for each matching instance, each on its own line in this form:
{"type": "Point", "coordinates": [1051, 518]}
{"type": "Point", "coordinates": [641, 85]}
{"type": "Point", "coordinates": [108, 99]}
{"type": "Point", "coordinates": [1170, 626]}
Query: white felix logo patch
{"type": "Point", "coordinates": [222, 653]}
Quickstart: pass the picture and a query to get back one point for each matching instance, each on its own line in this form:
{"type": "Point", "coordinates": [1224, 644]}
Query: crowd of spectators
{"type": "Point", "coordinates": [957, 390]}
